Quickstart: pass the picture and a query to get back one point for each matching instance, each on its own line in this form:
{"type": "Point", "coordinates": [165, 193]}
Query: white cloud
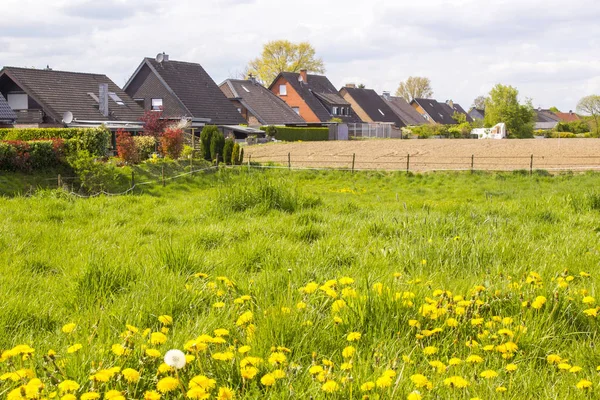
{"type": "Point", "coordinates": [546, 49]}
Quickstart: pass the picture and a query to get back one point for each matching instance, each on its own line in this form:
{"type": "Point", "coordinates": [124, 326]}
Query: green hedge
{"type": "Point", "coordinates": [306, 134]}
{"type": "Point", "coordinates": [17, 155]}
{"type": "Point", "coordinates": [95, 140]}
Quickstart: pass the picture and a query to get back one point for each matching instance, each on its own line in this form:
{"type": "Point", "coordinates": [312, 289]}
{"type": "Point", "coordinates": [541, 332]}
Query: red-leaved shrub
{"type": "Point", "coordinates": [154, 125]}
{"type": "Point", "coordinates": [171, 143]}
{"type": "Point", "coordinates": [126, 147]}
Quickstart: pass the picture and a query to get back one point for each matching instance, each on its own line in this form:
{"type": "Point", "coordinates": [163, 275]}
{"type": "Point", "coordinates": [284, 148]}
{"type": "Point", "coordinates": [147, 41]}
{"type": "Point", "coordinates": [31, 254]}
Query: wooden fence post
{"type": "Point", "coordinates": [132, 179]}
{"type": "Point", "coordinates": [163, 175]}
{"type": "Point", "coordinates": [407, 162]}
{"type": "Point", "coordinates": [472, 162]}
{"type": "Point", "coordinates": [217, 161]}
{"type": "Point", "coordinates": [59, 183]}
{"type": "Point", "coordinates": [353, 158]}
{"type": "Point", "coordinates": [531, 166]}
{"type": "Point", "coordinates": [249, 158]}
{"type": "Point", "coordinates": [289, 160]}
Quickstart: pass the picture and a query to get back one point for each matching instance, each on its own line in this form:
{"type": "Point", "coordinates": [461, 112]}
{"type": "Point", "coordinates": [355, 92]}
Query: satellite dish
{"type": "Point", "coordinates": [160, 57]}
{"type": "Point", "coordinates": [68, 117]}
{"type": "Point", "coordinates": [300, 78]}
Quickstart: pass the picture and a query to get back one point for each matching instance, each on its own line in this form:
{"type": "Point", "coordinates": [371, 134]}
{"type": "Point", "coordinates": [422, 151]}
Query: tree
{"type": "Point", "coordinates": [479, 103]}
{"type": "Point", "coordinates": [205, 139]}
{"type": "Point", "coordinates": [361, 86]}
{"type": "Point", "coordinates": [554, 109]}
{"type": "Point", "coordinates": [217, 142]}
{"type": "Point", "coordinates": [590, 105]}
{"type": "Point", "coordinates": [227, 151]}
{"type": "Point", "coordinates": [415, 87]}
{"type": "Point", "coordinates": [282, 55]}
{"type": "Point", "coordinates": [154, 124]}
{"type": "Point", "coordinates": [502, 105]}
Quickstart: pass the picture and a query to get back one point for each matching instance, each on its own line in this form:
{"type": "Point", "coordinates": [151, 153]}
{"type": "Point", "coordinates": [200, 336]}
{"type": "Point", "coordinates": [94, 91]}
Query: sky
{"type": "Point", "coordinates": [549, 50]}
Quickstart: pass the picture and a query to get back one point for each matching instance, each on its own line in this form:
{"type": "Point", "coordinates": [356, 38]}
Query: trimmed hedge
{"type": "Point", "coordinates": [94, 140]}
{"type": "Point", "coordinates": [28, 155]}
{"type": "Point", "coordinates": [305, 134]}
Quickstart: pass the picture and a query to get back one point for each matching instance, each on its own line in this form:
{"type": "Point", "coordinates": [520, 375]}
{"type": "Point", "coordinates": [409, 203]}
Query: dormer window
{"type": "Point", "coordinates": [18, 101]}
{"type": "Point", "coordinates": [116, 98]}
{"type": "Point", "coordinates": [334, 111]}
{"type": "Point", "coordinates": [282, 90]}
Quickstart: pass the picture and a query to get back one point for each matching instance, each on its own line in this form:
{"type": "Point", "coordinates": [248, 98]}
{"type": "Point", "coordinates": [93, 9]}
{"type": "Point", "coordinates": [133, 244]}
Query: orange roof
{"type": "Point", "coordinates": [567, 117]}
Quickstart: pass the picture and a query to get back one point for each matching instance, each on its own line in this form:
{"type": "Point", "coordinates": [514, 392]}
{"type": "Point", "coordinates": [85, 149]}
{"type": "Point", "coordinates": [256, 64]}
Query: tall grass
{"type": "Point", "coordinates": [106, 262]}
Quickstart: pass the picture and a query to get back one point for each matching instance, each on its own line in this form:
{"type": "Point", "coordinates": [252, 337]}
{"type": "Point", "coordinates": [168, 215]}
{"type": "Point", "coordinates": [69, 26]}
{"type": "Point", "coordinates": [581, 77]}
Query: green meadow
{"type": "Point", "coordinates": [305, 284]}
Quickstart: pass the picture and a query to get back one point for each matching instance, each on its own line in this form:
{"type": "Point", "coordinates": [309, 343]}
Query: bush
{"type": "Point", "coordinates": [171, 143]}
{"type": "Point", "coordinates": [145, 146]}
{"type": "Point", "coordinates": [235, 154]}
{"type": "Point", "coordinates": [217, 142]}
{"type": "Point", "coordinates": [579, 126]}
{"type": "Point", "coordinates": [126, 147]}
{"type": "Point", "coordinates": [94, 140]}
{"type": "Point", "coordinates": [94, 176]}
{"type": "Point", "coordinates": [205, 139]}
{"type": "Point", "coordinates": [292, 134]}
{"type": "Point", "coordinates": [26, 156]}
{"type": "Point", "coordinates": [227, 151]}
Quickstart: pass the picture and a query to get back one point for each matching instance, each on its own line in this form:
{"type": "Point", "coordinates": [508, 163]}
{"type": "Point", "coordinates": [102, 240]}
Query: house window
{"type": "Point", "coordinates": [381, 112]}
{"type": "Point", "coordinates": [334, 111]}
{"type": "Point", "coordinates": [296, 110]}
{"type": "Point", "coordinates": [116, 98]}
{"type": "Point", "coordinates": [343, 111]}
{"type": "Point", "coordinates": [18, 101]}
{"type": "Point", "coordinates": [157, 104]}
{"type": "Point", "coordinates": [282, 90]}
{"type": "Point", "coordinates": [141, 102]}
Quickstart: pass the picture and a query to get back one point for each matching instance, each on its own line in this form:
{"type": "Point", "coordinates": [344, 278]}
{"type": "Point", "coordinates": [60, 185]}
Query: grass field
{"type": "Point", "coordinates": [292, 285]}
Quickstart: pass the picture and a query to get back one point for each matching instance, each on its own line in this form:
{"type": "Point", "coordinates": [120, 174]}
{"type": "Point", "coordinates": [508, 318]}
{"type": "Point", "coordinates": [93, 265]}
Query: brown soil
{"type": "Point", "coordinates": [435, 154]}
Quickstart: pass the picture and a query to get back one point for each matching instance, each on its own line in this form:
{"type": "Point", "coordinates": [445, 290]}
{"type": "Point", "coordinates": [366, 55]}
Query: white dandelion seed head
{"type": "Point", "coordinates": [175, 359]}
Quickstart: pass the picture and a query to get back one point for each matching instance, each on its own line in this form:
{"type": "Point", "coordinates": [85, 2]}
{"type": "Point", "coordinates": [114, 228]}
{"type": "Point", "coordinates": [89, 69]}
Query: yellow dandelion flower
{"type": "Point", "coordinates": [430, 350]}
{"type": "Point", "coordinates": [151, 395]}
{"type": "Point", "coordinates": [348, 351]}
{"type": "Point", "coordinates": [75, 348]}
{"type": "Point", "coordinates": [575, 369]}
{"type": "Point", "coordinates": [119, 349]}
{"type": "Point", "coordinates": [353, 336]}
{"type": "Point", "coordinates": [245, 318]}
{"type": "Point", "coordinates": [152, 353]}
{"type": "Point", "coordinates": [501, 389]}
{"type": "Point", "coordinates": [223, 356]}
{"type": "Point", "coordinates": [583, 384]}
{"type": "Point", "coordinates": [157, 338]}
{"type": "Point", "coordinates": [68, 386]}
{"type": "Point", "coordinates": [197, 393]}
{"type": "Point", "coordinates": [225, 393]}
{"type": "Point", "coordinates": [511, 367]}
{"type": "Point", "coordinates": [248, 372]}
{"type": "Point", "coordinates": [474, 359]}
{"type": "Point", "coordinates": [131, 375]}
{"type": "Point", "coordinates": [457, 382]}
{"type": "Point", "coordinates": [330, 387]}
{"type": "Point", "coordinates": [166, 320]}
{"type": "Point", "coordinates": [367, 386]}
{"type": "Point", "coordinates": [167, 384]}
{"type": "Point", "coordinates": [114, 395]}
{"type": "Point", "coordinates": [564, 366]}
{"type": "Point", "coordinates": [454, 361]}
{"type": "Point", "coordinates": [90, 396]}
{"type": "Point", "coordinates": [68, 328]}
{"type": "Point", "coordinates": [489, 374]}
{"type": "Point", "coordinates": [203, 382]}
{"type": "Point", "coordinates": [420, 381]}
{"type": "Point", "coordinates": [268, 380]}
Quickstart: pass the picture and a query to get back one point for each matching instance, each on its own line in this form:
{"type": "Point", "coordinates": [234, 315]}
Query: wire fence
{"type": "Point", "coordinates": [424, 162]}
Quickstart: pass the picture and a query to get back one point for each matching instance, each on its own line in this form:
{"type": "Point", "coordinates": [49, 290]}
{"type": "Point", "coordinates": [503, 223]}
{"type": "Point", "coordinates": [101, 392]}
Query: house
{"type": "Point", "coordinates": [369, 106]}
{"type": "Point", "coordinates": [46, 98]}
{"type": "Point", "coordinates": [408, 115]}
{"type": "Point", "coordinates": [567, 117]}
{"type": "Point", "coordinates": [545, 120]}
{"type": "Point", "coordinates": [7, 115]}
{"type": "Point", "coordinates": [313, 97]}
{"type": "Point", "coordinates": [439, 113]}
{"type": "Point", "coordinates": [477, 113]}
{"type": "Point", "coordinates": [257, 104]}
{"type": "Point", "coordinates": [182, 90]}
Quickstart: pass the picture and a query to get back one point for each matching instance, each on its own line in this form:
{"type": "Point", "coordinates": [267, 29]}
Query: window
{"type": "Point", "coordinates": [157, 104]}
{"type": "Point", "coordinates": [282, 90]}
{"type": "Point", "coordinates": [381, 112]}
{"type": "Point", "coordinates": [334, 111]}
{"type": "Point", "coordinates": [94, 96]}
{"type": "Point", "coordinates": [116, 98]}
{"type": "Point", "coordinates": [18, 101]}
{"type": "Point", "coordinates": [141, 102]}
{"type": "Point", "coordinates": [245, 88]}
{"type": "Point", "coordinates": [296, 110]}
{"type": "Point", "coordinates": [343, 111]}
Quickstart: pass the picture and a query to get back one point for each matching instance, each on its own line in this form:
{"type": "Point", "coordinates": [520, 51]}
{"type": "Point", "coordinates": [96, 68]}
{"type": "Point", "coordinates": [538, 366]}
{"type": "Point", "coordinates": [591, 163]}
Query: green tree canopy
{"type": "Point", "coordinates": [282, 55]}
{"type": "Point", "coordinates": [415, 87]}
{"type": "Point", "coordinates": [590, 105]}
{"type": "Point", "coordinates": [502, 105]}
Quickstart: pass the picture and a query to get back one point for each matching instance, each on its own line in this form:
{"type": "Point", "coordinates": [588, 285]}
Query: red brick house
{"type": "Point", "coordinates": [313, 97]}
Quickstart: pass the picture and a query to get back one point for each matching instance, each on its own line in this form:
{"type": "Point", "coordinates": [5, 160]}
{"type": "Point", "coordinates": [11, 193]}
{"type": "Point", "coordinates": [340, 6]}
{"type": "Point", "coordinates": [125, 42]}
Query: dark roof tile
{"type": "Point", "coordinates": [261, 102]}
{"type": "Point", "coordinates": [6, 113]}
{"type": "Point", "coordinates": [405, 111]}
{"type": "Point", "coordinates": [61, 91]}
{"type": "Point", "coordinates": [374, 106]}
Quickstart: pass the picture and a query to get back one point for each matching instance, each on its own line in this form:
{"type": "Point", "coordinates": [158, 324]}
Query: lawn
{"type": "Point", "coordinates": [321, 284]}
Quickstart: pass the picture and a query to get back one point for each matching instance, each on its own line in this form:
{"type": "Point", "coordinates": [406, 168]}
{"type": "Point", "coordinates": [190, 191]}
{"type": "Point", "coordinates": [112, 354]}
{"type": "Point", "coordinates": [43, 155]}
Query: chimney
{"type": "Point", "coordinates": [351, 85]}
{"type": "Point", "coordinates": [571, 112]}
{"type": "Point", "coordinates": [303, 75]}
{"type": "Point", "coordinates": [450, 103]}
{"type": "Point", "coordinates": [386, 95]}
{"type": "Point", "coordinates": [103, 99]}
{"type": "Point", "coordinates": [165, 57]}
{"type": "Point", "coordinates": [251, 78]}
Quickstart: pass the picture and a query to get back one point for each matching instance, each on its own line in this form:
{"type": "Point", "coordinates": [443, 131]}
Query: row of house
{"type": "Point", "coordinates": [184, 90]}
{"type": "Point", "coordinates": [545, 119]}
